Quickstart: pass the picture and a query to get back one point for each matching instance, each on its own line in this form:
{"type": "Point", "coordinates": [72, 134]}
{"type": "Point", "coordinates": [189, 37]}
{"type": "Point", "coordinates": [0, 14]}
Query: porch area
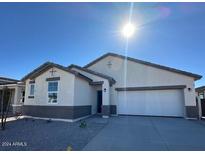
{"type": "Point", "coordinates": [12, 94]}
{"type": "Point", "coordinates": [103, 107]}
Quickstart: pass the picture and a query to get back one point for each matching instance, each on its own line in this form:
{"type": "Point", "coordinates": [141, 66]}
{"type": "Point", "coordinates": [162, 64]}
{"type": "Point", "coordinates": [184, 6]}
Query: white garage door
{"type": "Point", "coordinates": [151, 102]}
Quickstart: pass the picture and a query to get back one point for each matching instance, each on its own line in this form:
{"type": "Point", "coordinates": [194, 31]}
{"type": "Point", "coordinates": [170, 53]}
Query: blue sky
{"type": "Point", "coordinates": [170, 34]}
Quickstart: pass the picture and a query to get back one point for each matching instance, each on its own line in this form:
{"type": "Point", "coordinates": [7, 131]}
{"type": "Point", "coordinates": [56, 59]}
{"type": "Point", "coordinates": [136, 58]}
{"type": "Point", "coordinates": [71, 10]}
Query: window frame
{"type": "Point", "coordinates": [30, 85]}
{"type": "Point", "coordinates": [48, 92]}
{"type": "Point", "coordinates": [201, 94]}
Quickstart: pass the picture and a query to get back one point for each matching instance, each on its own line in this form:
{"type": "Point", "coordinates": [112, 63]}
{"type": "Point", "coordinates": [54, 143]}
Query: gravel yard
{"type": "Point", "coordinates": [30, 134]}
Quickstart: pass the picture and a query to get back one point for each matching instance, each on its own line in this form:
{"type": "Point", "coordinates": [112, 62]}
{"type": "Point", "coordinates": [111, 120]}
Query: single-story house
{"type": "Point", "coordinates": [200, 91]}
{"type": "Point", "coordinates": [13, 90]}
{"type": "Point", "coordinates": [110, 85]}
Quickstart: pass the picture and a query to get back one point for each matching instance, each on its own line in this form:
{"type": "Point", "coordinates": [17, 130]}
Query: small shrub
{"type": "Point", "coordinates": [83, 124]}
{"type": "Point", "coordinates": [69, 148]}
{"type": "Point", "coordinates": [49, 120]}
{"type": "Point", "coordinates": [17, 115]}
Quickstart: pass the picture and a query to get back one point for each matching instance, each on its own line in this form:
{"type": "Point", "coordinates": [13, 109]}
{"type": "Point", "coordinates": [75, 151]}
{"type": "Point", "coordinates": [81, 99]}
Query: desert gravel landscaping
{"type": "Point", "coordinates": [29, 134]}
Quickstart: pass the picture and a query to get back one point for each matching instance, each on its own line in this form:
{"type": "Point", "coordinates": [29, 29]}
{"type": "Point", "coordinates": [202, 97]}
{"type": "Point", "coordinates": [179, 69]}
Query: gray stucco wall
{"type": "Point", "coordinates": [17, 109]}
{"type": "Point", "coordinates": [192, 112]}
{"type": "Point", "coordinates": [109, 109]}
{"type": "Point", "coordinates": [61, 112]}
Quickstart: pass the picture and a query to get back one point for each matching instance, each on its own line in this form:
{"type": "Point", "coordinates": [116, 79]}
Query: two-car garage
{"type": "Point", "coordinates": [139, 87]}
{"type": "Point", "coordinates": [151, 101]}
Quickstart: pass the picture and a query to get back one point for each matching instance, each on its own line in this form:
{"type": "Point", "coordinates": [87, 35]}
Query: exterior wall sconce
{"type": "Point", "coordinates": [104, 89]}
{"type": "Point", "coordinates": [189, 89]}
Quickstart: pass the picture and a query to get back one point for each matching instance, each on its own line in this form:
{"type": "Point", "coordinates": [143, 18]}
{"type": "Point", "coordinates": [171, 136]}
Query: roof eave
{"type": "Point", "coordinates": [195, 76]}
{"type": "Point", "coordinates": [198, 77]}
{"type": "Point", "coordinates": [111, 80]}
{"type": "Point", "coordinates": [39, 70]}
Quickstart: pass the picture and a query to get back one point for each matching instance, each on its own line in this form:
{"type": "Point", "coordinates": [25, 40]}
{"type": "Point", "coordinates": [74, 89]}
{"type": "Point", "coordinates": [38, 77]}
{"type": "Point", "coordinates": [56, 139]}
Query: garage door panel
{"type": "Point", "coordinates": [151, 102]}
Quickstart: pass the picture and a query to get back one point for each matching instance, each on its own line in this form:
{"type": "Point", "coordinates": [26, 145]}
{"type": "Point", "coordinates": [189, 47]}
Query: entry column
{"type": "Point", "coordinates": [106, 99]}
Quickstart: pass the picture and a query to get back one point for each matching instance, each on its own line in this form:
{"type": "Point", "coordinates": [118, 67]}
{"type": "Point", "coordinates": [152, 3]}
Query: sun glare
{"type": "Point", "coordinates": [128, 30]}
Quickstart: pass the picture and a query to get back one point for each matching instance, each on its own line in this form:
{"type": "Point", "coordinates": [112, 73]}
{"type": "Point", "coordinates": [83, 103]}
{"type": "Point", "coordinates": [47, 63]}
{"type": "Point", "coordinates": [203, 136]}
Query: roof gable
{"type": "Point", "coordinates": [195, 76]}
{"type": "Point", "coordinates": [110, 79]}
{"type": "Point", "coordinates": [44, 67]}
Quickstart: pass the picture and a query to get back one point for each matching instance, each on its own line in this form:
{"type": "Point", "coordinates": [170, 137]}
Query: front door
{"type": "Point", "coordinates": [99, 101]}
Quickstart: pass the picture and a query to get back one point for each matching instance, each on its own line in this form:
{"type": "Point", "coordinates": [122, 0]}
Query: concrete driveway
{"type": "Point", "coordinates": [149, 133]}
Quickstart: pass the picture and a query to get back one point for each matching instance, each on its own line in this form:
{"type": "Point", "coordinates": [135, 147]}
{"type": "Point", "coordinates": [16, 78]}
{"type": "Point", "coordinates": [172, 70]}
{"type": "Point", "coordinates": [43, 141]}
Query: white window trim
{"type": "Point", "coordinates": [201, 94]}
{"type": "Point", "coordinates": [30, 89]}
{"type": "Point", "coordinates": [52, 92]}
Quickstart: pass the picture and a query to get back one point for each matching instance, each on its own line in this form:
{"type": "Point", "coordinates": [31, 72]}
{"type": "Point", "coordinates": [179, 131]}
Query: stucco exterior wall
{"type": "Point", "coordinates": [18, 95]}
{"type": "Point", "coordinates": [106, 95]}
{"type": "Point", "coordinates": [17, 99]}
{"type": "Point", "coordinates": [65, 89]}
{"type": "Point", "coordinates": [139, 75]}
{"type": "Point", "coordinates": [84, 94]}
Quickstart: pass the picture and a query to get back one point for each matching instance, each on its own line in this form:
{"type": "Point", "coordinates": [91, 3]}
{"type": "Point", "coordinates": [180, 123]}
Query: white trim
{"type": "Point", "coordinates": [58, 119]}
{"type": "Point", "coordinates": [30, 84]}
{"type": "Point", "coordinates": [200, 94]}
{"type": "Point", "coordinates": [9, 85]}
{"type": "Point", "coordinates": [14, 118]}
{"type": "Point", "coordinates": [74, 120]}
{"type": "Point", "coordinates": [104, 116]}
{"type": "Point", "coordinates": [191, 118]}
{"type": "Point", "coordinates": [52, 92]}
{"type": "Point", "coordinates": [17, 104]}
{"type": "Point", "coordinates": [12, 85]}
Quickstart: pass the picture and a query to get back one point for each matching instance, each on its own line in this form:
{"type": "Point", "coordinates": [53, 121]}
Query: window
{"type": "Point", "coordinates": [32, 89]}
{"type": "Point", "coordinates": [201, 95]}
{"type": "Point", "coordinates": [52, 91]}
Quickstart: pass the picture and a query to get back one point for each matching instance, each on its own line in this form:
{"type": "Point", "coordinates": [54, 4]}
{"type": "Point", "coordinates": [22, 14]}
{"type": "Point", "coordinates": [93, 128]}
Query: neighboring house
{"type": "Point", "coordinates": [16, 90]}
{"type": "Point", "coordinates": [110, 85]}
{"type": "Point", "coordinates": [200, 91]}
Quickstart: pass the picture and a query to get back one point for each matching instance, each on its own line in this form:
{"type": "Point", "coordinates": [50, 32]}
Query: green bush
{"type": "Point", "coordinates": [69, 148]}
{"type": "Point", "coordinates": [83, 124]}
